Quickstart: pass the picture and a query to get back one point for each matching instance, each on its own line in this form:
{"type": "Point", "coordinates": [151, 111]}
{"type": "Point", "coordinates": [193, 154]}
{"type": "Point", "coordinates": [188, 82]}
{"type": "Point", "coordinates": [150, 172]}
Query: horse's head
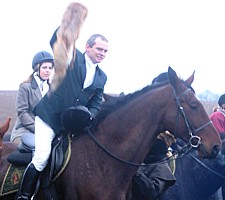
{"type": "Point", "coordinates": [192, 124]}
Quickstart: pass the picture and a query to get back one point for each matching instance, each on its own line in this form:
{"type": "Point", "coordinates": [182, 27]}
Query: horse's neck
{"type": "Point", "coordinates": [132, 129]}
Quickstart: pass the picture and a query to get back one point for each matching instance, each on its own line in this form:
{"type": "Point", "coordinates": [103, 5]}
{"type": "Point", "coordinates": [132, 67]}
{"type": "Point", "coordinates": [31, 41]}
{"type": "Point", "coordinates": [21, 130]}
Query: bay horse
{"type": "Point", "coordinates": [198, 178]}
{"type": "Point", "coordinates": [104, 160]}
{"type": "Point", "coordinates": [5, 149]}
{"type": "Point", "coordinates": [3, 129]}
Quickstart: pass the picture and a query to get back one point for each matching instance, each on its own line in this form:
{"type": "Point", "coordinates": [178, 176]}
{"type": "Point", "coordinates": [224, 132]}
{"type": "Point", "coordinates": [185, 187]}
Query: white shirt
{"type": "Point", "coordinates": [90, 72]}
{"type": "Point", "coordinates": [43, 85]}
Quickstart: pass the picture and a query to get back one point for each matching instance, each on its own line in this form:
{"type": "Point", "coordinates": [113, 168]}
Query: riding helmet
{"type": "Point", "coordinates": [163, 77]}
{"type": "Point", "coordinates": [221, 100]}
{"type": "Point", "coordinates": [40, 57]}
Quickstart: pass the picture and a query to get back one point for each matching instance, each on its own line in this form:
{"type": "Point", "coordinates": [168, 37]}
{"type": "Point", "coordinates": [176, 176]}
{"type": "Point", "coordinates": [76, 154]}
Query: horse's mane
{"type": "Point", "coordinates": [115, 103]}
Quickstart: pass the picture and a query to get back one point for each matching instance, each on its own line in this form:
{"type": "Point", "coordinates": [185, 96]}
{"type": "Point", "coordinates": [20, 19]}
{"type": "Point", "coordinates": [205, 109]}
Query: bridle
{"type": "Point", "coordinates": [192, 134]}
{"type": "Point", "coordinates": [192, 131]}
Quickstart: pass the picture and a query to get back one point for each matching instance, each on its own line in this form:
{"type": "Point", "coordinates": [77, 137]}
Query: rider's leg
{"type": "Point", "coordinates": [43, 140]}
{"type": "Point", "coordinates": [43, 144]}
{"type": "Point", "coordinates": [28, 183]}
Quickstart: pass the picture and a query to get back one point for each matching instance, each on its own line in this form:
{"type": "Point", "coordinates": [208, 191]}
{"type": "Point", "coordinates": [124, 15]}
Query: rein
{"type": "Point", "coordinates": [111, 154]}
{"type": "Point", "coordinates": [183, 150]}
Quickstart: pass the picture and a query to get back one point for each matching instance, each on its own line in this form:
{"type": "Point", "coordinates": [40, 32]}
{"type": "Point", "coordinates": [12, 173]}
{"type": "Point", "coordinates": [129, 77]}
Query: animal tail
{"type": "Point", "coordinates": [67, 35]}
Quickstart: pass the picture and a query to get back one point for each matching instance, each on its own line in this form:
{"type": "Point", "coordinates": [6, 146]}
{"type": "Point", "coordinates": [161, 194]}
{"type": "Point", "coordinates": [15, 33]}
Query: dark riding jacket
{"type": "Point", "coordinates": [71, 93]}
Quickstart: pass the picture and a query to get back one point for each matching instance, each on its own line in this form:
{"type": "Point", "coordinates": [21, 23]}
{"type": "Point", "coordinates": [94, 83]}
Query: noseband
{"type": "Point", "coordinates": [193, 136]}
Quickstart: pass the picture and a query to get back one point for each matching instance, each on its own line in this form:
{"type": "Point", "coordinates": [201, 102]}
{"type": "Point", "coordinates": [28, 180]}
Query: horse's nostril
{"type": "Point", "coordinates": [215, 150]}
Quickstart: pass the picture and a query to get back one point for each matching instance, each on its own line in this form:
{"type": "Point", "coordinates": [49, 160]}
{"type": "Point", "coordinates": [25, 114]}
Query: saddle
{"type": "Point", "coordinates": [23, 155]}
{"type": "Point", "coordinates": [20, 158]}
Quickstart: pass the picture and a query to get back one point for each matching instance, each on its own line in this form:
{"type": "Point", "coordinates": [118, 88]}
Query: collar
{"type": "Point", "coordinates": [39, 81]}
{"type": "Point", "coordinates": [89, 62]}
{"type": "Point", "coordinates": [221, 110]}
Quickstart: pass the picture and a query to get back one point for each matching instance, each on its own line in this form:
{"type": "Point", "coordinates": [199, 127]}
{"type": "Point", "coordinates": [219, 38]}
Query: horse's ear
{"type": "Point", "coordinates": [4, 128]}
{"type": "Point", "coordinates": [172, 76]}
{"type": "Point", "coordinates": [190, 79]}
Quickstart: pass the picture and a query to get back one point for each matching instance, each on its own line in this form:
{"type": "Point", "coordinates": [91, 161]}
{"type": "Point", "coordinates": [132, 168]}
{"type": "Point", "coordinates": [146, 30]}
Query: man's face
{"type": "Point", "coordinates": [223, 106]}
{"type": "Point", "coordinates": [98, 51]}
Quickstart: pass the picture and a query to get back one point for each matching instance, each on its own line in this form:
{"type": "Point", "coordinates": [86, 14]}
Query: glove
{"type": "Point", "coordinates": [76, 119]}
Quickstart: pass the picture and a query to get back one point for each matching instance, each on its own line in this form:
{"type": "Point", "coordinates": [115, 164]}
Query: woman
{"type": "Point", "coordinates": [30, 93]}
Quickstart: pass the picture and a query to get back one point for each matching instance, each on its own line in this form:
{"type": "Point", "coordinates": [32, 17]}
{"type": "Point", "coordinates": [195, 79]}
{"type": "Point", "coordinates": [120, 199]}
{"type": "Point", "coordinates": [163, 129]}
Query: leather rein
{"type": "Point", "coordinates": [189, 127]}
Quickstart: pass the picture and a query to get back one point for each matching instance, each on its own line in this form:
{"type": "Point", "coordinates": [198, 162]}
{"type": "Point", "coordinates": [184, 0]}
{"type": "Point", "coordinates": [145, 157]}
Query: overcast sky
{"type": "Point", "coordinates": [145, 37]}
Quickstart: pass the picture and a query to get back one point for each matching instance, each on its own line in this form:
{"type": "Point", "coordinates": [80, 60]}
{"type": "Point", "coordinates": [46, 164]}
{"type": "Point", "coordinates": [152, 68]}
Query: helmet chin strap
{"type": "Point", "coordinates": [40, 77]}
{"type": "Point", "coordinates": [37, 73]}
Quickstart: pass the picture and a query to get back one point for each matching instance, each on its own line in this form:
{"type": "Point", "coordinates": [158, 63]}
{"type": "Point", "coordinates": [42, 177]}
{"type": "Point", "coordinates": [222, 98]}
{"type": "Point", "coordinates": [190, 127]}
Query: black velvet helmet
{"type": "Point", "coordinates": [221, 100]}
{"type": "Point", "coordinates": [76, 119]}
{"type": "Point", "coordinates": [54, 38]}
{"type": "Point", "coordinates": [163, 77]}
{"type": "Point", "coordinates": [40, 57]}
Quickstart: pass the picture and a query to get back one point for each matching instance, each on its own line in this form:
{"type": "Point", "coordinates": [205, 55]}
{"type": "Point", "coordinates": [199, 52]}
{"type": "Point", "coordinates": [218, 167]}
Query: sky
{"type": "Point", "coordinates": [145, 38]}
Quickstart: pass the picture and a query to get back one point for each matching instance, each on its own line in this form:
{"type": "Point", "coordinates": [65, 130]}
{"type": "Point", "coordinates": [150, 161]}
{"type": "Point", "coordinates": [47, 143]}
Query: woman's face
{"type": "Point", "coordinates": [45, 70]}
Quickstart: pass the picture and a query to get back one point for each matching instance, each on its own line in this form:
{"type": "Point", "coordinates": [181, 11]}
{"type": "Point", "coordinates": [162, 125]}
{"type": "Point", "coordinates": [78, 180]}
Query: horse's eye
{"type": "Point", "coordinates": [193, 106]}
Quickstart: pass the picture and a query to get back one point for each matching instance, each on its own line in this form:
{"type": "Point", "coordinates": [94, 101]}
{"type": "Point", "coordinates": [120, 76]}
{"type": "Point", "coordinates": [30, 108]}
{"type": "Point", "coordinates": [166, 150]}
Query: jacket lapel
{"type": "Point", "coordinates": [36, 89]}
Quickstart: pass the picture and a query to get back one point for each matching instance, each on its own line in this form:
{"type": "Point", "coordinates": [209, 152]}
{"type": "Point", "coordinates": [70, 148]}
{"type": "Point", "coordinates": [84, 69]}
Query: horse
{"type": "Point", "coordinates": [197, 178]}
{"type": "Point", "coordinates": [5, 149]}
{"type": "Point", "coordinates": [104, 159]}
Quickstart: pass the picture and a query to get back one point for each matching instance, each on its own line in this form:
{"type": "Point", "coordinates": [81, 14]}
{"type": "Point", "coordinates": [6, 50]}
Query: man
{"type": "Point", "coordinates": [83, 84]}
{"type": "Point", "coordinates": [151, 181]}
{"type": "Point", "coordinates": [218, 120]}
{"type": "Point", "coordinates": [218, 116]}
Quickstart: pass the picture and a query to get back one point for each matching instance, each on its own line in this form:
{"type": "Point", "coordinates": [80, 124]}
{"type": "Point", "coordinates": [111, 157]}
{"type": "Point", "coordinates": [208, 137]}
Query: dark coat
{"type": "Point", "coordinates": [151, 181]}
{"type": "Point", "coordinates": [71, 93]}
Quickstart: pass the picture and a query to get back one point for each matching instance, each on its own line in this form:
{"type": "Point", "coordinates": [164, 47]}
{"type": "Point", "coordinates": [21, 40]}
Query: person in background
{"type": "Point", "coordinates": [163, 77]}
{"type": "Point", "coordinates": [83, 85]}
{"type": "Point", "coordinates": [218, 120]}
{"type": "Point", "coordinates": [30, 93]}
{"type": "Point", "coordinates": [151, 181]}
{"type": "Point", "coordinates": [218, 116]}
